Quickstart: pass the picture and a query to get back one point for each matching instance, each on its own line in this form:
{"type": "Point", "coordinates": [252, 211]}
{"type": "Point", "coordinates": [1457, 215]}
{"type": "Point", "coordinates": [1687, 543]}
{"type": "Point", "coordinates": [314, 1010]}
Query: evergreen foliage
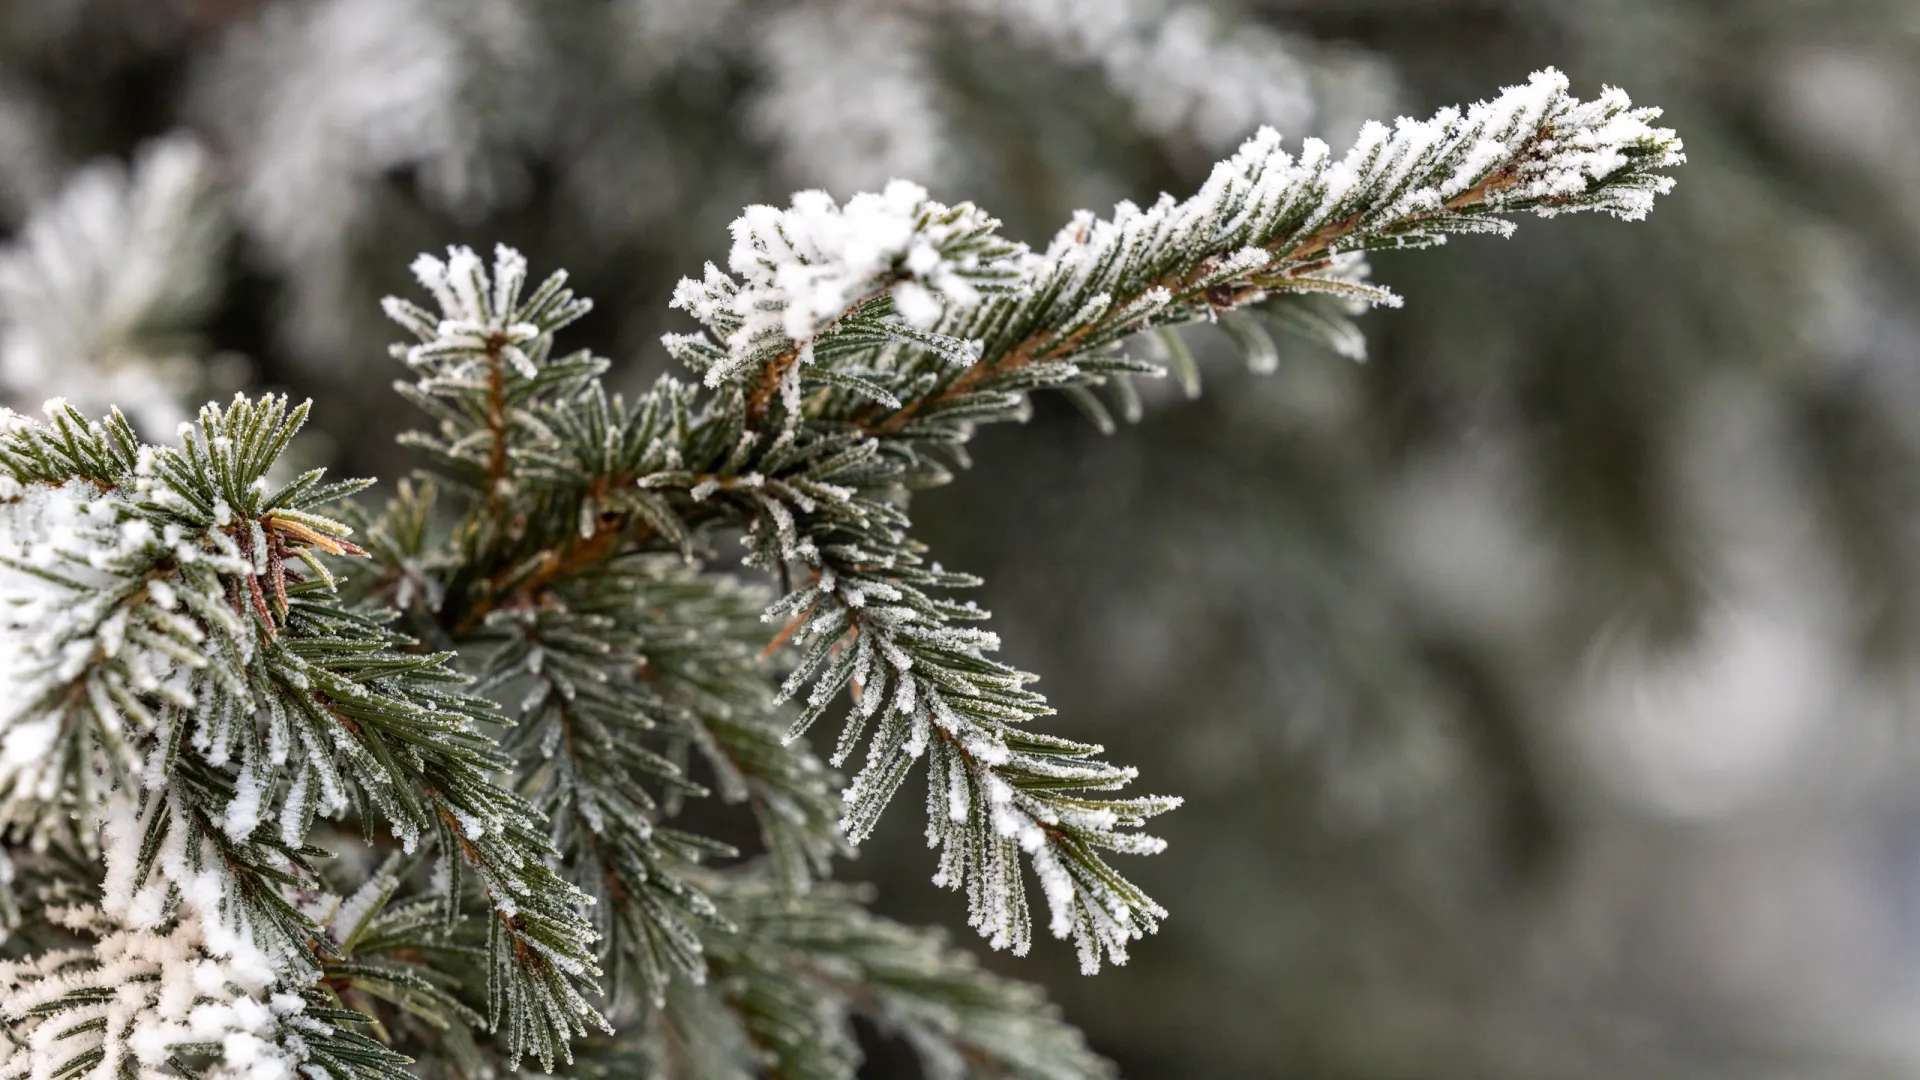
{"type": "Point", "coordinates": [503, 677]}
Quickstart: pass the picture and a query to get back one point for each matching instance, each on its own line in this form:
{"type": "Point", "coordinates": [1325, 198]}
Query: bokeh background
{"type": "Point", "coordinates": [1545, 689]}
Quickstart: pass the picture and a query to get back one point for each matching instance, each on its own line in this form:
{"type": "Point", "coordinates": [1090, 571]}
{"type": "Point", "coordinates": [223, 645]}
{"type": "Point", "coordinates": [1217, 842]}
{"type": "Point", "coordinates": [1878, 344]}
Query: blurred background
{"type": "Point", "coordinates": [1545, 689]}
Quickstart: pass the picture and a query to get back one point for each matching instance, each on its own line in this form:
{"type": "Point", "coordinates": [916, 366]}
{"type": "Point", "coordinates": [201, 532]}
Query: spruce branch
{"type": "Point", "coordinates": [171, 646]}
{"type": "Point", "coordinates": [196, 686]}
{"type": "Point", "coordinates": [588, 762]}
{"type": "Point", "coordinates": [866, 396]}
{"type": "Point", "coordinates": [1266, 223]}
{"type": "Point", "coordinates": [859, 339]}
{"type": "Point", "coordinates": [618, 659]}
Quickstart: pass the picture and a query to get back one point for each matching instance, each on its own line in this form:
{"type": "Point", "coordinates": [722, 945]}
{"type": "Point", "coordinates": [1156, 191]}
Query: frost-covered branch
{"type": "Point", "coordinates": [200, 702]}
{"type": "Point", "coordinates": [158, 991]}
{"type": "Point", "coordinates": [1268, 223]}
{"type": "Point", "coordinates": [810, 267]}
{"type": "Point", "coordinates": [179, 642]}
{"type": "Point", "coordinates": [866, 396]}
{"type": "Point", "coordinates": [853, 341]}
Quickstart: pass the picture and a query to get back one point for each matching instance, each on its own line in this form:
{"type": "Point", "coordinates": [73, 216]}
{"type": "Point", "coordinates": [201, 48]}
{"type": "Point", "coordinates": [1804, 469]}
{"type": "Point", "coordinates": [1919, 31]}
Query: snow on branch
{"type": "Point", "coordinates": [141, 999]}
{"type": "Point", "coordinates": [483, 317]}
{"type": "Point", "coordinates": [1266, 219]}
{"type": "Point", "coordinates": [181, 640]}
{"type": "Point", "coordinates": [158, 987]}
{"type": "Point", "coordinates": [104, 624]}
{"type": "Point", "coordinates": [1268, 222]}
{"type": "Point", "coordinates": [804, 268]}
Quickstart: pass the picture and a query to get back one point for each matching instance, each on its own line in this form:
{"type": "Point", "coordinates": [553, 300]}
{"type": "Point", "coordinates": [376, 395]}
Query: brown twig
{"type": "Point", "coordinates": [284, 539]}
{"type": "Point", "coordinates": [496, 418]}
{"type": "Point", "coordinates": [788, 631]}
{"type": "Point", "coordinates": [569, 558]}
{"type": "Point", "coordinates": [760, 394]}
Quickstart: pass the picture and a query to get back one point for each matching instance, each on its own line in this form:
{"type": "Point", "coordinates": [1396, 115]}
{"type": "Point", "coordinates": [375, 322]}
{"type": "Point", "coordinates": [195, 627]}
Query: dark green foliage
{"type": "Point", "coordinates": [557, 580]}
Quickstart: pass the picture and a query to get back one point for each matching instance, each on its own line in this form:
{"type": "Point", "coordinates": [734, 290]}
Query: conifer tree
{"type": "Point", "coordinates": [300, 782]}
